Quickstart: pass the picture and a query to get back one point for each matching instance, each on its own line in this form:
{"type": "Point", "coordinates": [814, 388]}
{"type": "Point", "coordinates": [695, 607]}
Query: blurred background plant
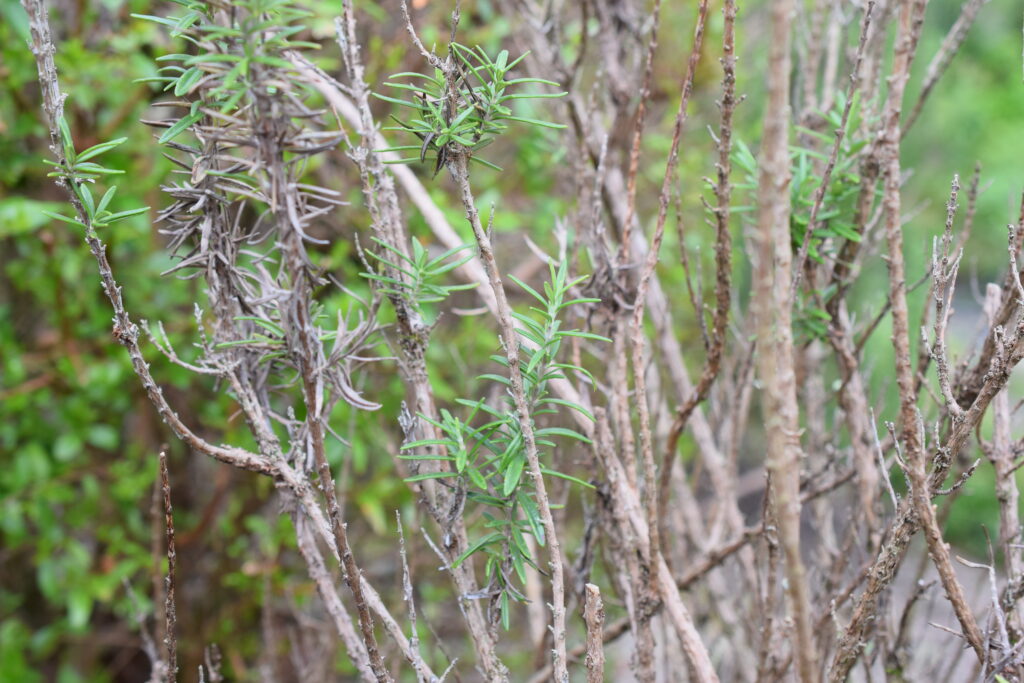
{"type": "Point", "coordinates": [78, 438]}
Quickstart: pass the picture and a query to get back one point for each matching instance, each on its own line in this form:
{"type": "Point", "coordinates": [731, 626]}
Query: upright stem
{"type": "Point", "coordinates": [723, 267]}
{"type": "Point", "coordinates": [310, 359]}
{"type": "Point", "coordinates": [773, 300]}
{"type": "Point", "coordinates": [170, 613]}
{"type": "Point", "coordinates": [306, 350]}
{"type": "Point", "coordinates": [459, 167]}
{"type": "Point", "coordinates": [593, 614]}
{"type": "Point", "coordinates": [910, 16]}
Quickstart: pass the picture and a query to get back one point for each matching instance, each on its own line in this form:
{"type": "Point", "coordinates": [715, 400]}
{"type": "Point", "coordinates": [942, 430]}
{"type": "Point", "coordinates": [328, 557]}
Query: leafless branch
{"type": "Point", "coordinates": [773, 301]}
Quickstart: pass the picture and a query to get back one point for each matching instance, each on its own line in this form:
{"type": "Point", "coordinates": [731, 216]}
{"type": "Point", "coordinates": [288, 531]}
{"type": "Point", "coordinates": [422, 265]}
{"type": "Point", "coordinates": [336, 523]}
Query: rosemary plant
{"type": "Point", "coordinates": [470, 110]}
{"type": "Point", "coordinates": [486, 447]}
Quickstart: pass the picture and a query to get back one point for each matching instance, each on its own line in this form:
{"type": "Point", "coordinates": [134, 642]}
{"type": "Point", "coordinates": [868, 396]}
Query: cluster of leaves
{"type": "Point", "coordinates": [452, 110]}
{"type": "Point", "coordinates": [485, 452]}
{"type": "Point", "coordinates": [80, 172]}
{"type": "Point", "coordinates": [834, 223]}
{"type": "Point", "coordinates": [422, 272]}
{"type": "Point", "coordinates": [227, 55]}
{"type": "Point", "coordinates": [835, 218]}
{"type": "Point", "coordinates": [239, 86]}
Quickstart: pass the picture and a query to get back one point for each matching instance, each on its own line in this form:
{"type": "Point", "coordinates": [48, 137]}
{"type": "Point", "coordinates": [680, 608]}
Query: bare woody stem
{"type": "Point", "coordinates": [638, 338]}
{"type": "Point", "coordinates": [170, 613]}
{"type": "Point", "coordinates": [352, 574]}
{"type": "Point", "coordinates": [638, 132]}
{"type": "Point", "coordinates": [723, 257]}
{"type": "Point", "coordinates": [912, 428]}
{"type": "Point", "coordinates": [593, 614]}
{"type": "Point", "coordinates": [917, 510]}
{"type": "Point", "coordinates": [306, 349]}
{"type": "Point", "coordinates": [773, 302]}
{"type": "Point", "coordinates": [1000, 454]}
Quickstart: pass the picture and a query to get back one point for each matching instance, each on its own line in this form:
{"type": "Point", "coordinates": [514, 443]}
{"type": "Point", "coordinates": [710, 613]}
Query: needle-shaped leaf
{"type": "Point", "coordinates": [520, 81]}
{"type": "Point", "coordinates": [430, 475]}
{"type": "Point", "coordinates": [65, 136]}
{"type": "Point", "coordinates": [486, 163]}
{"type": "Point", "coordinates": [96, 150]}
{"type": "Point", "coordinates": [61, 217]}
{"type": "Point", "coordinates": [105, 199]}
{"type": "Point", "coordinates": [562, 431]}
{"type": "Point", "coordinates": [528, 289]}
{"type": "Point", "coordinates": [567, 477]}
{"type": "Point", "coordinates": [85, 194]}
{"type": "Point", "coordinates": [187, 80]}
{"type": "Point", "coordinates": [512, 475]}
{"type": "Point", "coordinates": [126, 214]}
{"type": "Point", "coordinates": [393, 100]}
{"type": "Point", "coordinates": [535, 122]}
{"type": "Point", "coordinates": [180, 126]}
{"type": "Point", "coordinates": [578, 408]}
{"type": "Point", "coordinates": [265, 324]}
{"type": "Point", "coordinates": [486, 540]}
{"type": "Point", "coordinates": [90, 167]}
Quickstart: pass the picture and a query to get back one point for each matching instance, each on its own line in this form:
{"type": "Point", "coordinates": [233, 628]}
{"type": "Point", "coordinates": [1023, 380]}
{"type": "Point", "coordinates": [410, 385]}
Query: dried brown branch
{"type": "Point", "coordinates": [919, 511]}
{"type": "Point", "coordinates": [638, 132]}
{"type": "Point", "coordinates": [944, 272]}
{"type": "Point", "coordinates": [910, 17]}
{"type": "Point", "coordinates": [723, 256]}
{"type": "Point", "coordinates": [1000, 454]}
{"type": "Point", "coordinates": [170, 613]}
{"type": "Point", "coordinates": [638, 338]}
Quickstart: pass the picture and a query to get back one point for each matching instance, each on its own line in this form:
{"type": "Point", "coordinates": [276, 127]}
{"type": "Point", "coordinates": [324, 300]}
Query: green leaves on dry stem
{"type": "Point", "coordinates": [225, 71]}
{"type": "Point", "coordinates": [834, 223]}
{"type": "Point", "coordinates": [486, 452]}
{"type": "Point", "coordinates": [421, 272]}
{"type": "Point", "coordinates": [464, 116]}
{"type": "Point", "coordinates": [80, 172]}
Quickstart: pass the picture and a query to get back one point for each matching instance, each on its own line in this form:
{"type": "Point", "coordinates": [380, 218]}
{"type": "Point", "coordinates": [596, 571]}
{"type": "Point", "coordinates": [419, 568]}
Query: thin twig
{"type": "Point", "coordinates": [637, 335]}
{"type": "Point", "coordinates": [723, 257]}
{"type": "Point", "coordinates": [170, 613]}
{"type": "Point", "coordinates": [638, 132]}
{"type": "Point", "coordinates": [940, 62]}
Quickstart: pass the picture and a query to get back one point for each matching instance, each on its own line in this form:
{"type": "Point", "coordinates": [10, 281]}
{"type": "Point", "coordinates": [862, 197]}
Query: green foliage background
{"type": "Point", "coordinates": [78, 439]}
